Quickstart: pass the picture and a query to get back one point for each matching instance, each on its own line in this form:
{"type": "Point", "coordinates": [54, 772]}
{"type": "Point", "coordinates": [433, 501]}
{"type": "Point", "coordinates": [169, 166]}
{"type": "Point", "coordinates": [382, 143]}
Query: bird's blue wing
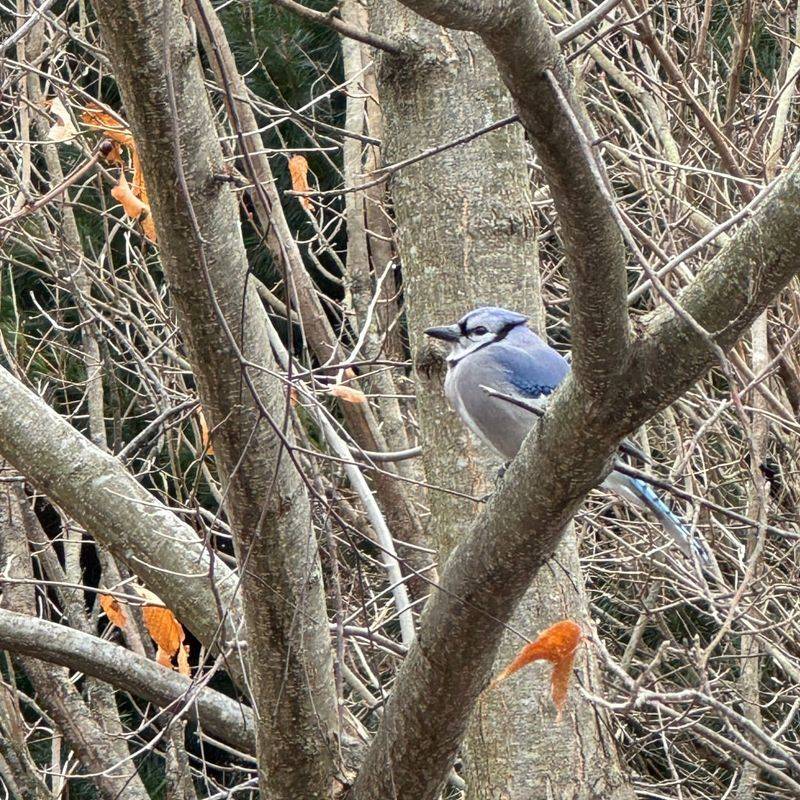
{"type": "Point", "coordinates": [509, 370]}
{"type": "Point", "coordinates": [533, 373]}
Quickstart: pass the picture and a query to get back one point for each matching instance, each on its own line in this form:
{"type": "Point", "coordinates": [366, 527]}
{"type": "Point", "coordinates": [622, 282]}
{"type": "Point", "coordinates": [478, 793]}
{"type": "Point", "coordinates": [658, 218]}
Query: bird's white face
{"type": "Point", "coordinates": [471, 339]}
{"type": "Point", "coordinates": [475, 330]}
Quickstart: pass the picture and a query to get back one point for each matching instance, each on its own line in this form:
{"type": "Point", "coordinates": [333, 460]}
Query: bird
{"type": "Point", "coordinates": [492, 350]}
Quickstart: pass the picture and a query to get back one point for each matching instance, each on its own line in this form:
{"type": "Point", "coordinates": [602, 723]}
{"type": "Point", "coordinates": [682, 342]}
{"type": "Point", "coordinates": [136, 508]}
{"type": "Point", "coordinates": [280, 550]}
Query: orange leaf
{"type": "Point", "coordinates": [183, 661]}
{"type": "Point", "coordinates": [113, 610]}
{"type": "Point", "coordinates": [133, 197]}
{"type": "Point", "coordinates": [348, 393]}
{"type": "Point", "coordinates": [166, 631]}
{"type": "Point", "coordinates": [95, 117]}
{"type": "Point", "coordinates": [298, 169]}
{"type": "Point", "coordinates": [163, 658]}
{"type": "Point", "coordinates": [204, 437]}
{"type": "Point", "coordinates": [160, 622]}
{"type": "Point", "coordinates": [131, 204]}
{"type": "Point", "coordinates": [137, 182]}
{"type": "Point", "coordinates": [557, 645]}
{"type": "Point", "coordinates": [149, 227]}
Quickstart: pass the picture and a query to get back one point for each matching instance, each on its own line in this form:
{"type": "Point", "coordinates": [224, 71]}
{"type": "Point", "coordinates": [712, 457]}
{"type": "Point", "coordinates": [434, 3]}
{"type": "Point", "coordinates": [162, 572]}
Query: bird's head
{"type": "Point", "coordinates": [477, 329]}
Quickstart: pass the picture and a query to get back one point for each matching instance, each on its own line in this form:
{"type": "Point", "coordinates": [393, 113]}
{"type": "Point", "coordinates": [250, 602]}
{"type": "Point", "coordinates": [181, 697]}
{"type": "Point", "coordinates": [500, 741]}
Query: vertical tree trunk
{"type": "Point", "coordinates": [466, 238]}
{"type": "Point", "coordinates": [156, 64]}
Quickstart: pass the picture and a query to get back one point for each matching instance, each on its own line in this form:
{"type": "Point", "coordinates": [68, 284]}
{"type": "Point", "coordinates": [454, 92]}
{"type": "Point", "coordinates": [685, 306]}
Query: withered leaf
{"type": "Point", "coordinates": [114, 610]}
{"type": "Point", "coordinates": [161, 623]}
{"type": "Point", "coordinates": [557, 645]}
{"type": "Point", "coordinates": [298, 170]}
{"type": "Point", "coordinates": [95, 117]}
{"type": "Point", "coordinates": [183, 661]}
{"type": "Point", "coordinates": [131, 205]}
{"type": "Point", "coordinates": [348, 393]}
{"type": "Point", "coordinates": [205, 439]}
{"type": "Point", "coordinates": [133, 196]}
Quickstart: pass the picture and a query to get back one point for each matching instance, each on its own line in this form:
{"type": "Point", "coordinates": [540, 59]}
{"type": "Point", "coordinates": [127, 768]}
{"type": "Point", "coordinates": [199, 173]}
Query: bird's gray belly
{"type": "Point", "coordinates": [498, 423]}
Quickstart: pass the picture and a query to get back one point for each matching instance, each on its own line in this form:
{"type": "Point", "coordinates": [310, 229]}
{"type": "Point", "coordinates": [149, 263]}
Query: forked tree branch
{"type": "Point", "coordinates": [569, 452]}
{"type": "Point", "coordinates": [561, 460]}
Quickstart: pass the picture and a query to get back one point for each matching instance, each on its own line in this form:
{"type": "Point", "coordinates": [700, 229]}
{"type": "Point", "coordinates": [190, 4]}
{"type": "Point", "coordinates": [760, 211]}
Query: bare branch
{"type": "Point", "coordinates": [101, 495]}
{"type": "Point", "coordinates": [219, 715]}
{"type": "Point", "coordinates": [333, 22]}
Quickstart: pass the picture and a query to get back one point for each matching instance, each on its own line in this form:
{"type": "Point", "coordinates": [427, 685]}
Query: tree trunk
{"type": "Point", "coordinates": [472, 242]}
{"type": "Point", "coordinates": [224, 328]}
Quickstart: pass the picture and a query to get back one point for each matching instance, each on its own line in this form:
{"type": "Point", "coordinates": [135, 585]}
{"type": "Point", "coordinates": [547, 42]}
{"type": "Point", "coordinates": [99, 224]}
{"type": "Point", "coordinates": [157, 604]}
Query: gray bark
{"type": "Point", "coordinates": [322, 339]}
{"type": "Point", "coordinates": [529, 61]}
{"type": "Point", "coordinates": [618, 386]}
{"type": "Point", "coordinates": [219, 715]}
{"type": "Point", "coordinates": [95, 490]}
{"type": "Point", "coordinates": [223, 325]}
{"type": "Point", "coordinates": [469, 242]}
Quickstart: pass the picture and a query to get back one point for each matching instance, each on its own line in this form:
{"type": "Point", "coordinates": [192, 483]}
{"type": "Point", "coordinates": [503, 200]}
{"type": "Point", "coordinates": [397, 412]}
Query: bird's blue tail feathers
{"type": "Point", "coordinates": [689, 543]}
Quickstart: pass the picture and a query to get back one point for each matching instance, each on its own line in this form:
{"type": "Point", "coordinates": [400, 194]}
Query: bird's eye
{"type": "Point", "coordinates": [480, 330]}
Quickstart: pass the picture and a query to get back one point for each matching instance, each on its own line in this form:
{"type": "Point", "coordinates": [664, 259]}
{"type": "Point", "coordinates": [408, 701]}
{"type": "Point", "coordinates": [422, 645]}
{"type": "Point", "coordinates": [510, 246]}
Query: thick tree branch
{"type": "Point", "coordinates": [221, 716]}
{"type": "Point", "coordinates": [725, 298]}
{"type": "Point", "coordinates": [222, 324]}
{"type": "Point", "coordinates": [94, 489]}
{"type": "Point", "coordinates": [519, 38]}
{"type": "Point", "coordinates": [564, 457]}
{"type": "Point", "coordinates": [569, 451]}
{"type": "Point", "coordinates": [317, 329]}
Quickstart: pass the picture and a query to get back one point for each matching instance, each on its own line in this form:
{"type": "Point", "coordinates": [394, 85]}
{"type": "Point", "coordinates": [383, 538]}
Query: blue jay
{"type": "Point", "coordinates": [494, 348]}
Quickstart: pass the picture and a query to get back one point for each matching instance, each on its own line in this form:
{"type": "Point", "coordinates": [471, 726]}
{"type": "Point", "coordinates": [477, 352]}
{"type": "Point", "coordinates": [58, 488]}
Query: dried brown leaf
{"type": "Point", "coordinates": [161, 623]}
{"type": "Point", "coordinates": [164, 658]}
{"type": "Point", "coordinates": [205, 439]}
{"type": "Point", "coordinates": [114, 610]}
{"type": "Point", "coordinates": [557, 645]}
{"type": "Point", "coordinates": [95, 117]}
{"type": "Point", "coordinates": [298, 169]}
{"type": "Point", "coordinates": [183, 661]}
{"type": "Point", "coordinates": [149, 227]}
{"type": "Point", "coordinates": [131, 205]}
{"type": "Point", "coordinates": [348, 393]}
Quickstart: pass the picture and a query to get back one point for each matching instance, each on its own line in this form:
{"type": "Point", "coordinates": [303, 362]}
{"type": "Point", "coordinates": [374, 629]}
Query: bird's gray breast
{"type": "Point", "coordinates": [498, 423]}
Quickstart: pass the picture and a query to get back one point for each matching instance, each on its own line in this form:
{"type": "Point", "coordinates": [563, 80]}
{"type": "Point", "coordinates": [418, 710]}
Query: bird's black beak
{"type": "Point", "coordinates": [448, 333]}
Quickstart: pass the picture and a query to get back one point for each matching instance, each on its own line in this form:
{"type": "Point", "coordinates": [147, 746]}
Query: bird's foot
{"type": "Point", "coordinates": [498, 482]}
{"type": "Point", "coordinates": [501, 473]}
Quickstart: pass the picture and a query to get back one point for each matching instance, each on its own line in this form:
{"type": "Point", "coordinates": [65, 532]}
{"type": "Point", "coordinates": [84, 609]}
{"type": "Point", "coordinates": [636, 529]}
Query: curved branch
{"type": "Point", "coordinates": [519, 38]}
{"type": "Point", "coordinates": [220, 715]}
{"type": "Point", "coordinates": [100, 495]}
{"type": "Point", "coordinates": [564, 457]}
